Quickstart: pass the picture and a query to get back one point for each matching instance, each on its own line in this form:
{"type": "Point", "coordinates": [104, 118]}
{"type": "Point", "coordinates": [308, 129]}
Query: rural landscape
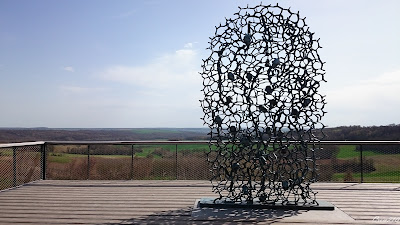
{"type": "Point", "coordinates": [186, 160]}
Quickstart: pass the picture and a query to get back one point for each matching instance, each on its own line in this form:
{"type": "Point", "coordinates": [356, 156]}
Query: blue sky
{"type": "Point", "coordinates": [135, 63]}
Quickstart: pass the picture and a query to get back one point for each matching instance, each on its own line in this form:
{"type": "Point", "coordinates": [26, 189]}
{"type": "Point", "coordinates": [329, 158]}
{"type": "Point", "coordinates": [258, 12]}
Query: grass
{"type": "Point", "coordinates": [149, 149]}
{"type": "Point", "coordinates": [349, 151]}
{"type": "Point", "coordinates": [5, 183]}
{"type": "Point", "coordinates": [111, 156]}
{"type": "Point", "coordinates": [66, 158]}
{"type": "Point", "coordinates": [376, 176]}
{"type": "Point", "coordinates": [59, 159]}
{"type": "Point", "coordinates": [63, 157]}
{"type": "Point", "coordinates": [386, 165]}
{"type": "Point", "coordinates": [6, 152]}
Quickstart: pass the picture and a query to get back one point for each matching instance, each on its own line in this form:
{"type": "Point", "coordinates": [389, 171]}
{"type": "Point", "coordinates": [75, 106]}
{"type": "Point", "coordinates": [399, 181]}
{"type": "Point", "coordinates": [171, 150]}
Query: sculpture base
{"type": "Point", "coordinates": [210, 203]}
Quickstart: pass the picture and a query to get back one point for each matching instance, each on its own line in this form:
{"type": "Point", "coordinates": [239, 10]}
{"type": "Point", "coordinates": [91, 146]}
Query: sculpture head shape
{"type": "Point", "coordinates": [262, 104]}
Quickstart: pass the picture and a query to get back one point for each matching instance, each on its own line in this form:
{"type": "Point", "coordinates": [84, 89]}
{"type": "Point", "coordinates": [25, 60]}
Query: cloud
{"type": "Point", "coordinates": [165, 92]}
{"type": "Point", "coordinates": [69, 69]}
{"type": "Point", "coordinates": [373, 101]}
{"type": "Point", "coordinates": [188, 45]}
{"type": "Point", "coordinates": [169, 71]}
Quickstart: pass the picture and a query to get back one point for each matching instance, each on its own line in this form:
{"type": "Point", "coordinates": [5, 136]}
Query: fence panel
{"type": "Point", "coordinates": [343, 163]}
{"type": "Point", "coordinates": [110, 162]}
{"type": "Point", "coordinates": [67, 162]}
{"type": "Point", "coordinates": [381, 163]}
{"type": "Point", "coordinates": [155, 162]}
{"type": "Point", "coordinates": [192, 163]}
{"type": "Point", "coordinates": [6, 168]}
{"type": "Point", "coordinates": [20, 165]}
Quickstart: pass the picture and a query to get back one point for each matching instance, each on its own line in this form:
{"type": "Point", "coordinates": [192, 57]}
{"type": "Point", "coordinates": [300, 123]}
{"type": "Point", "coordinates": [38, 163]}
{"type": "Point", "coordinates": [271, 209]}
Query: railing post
{"type": "Point", "coordinates": [14, 166]}
{"type": "Point", "coordinates": [133, 155]}
{"type": "Point", "coordinates": [44, 160]}
{"type": "Point", "coordinates": [176, 161]}
{"type": "Point", "coordinates": [361, 163]}
{"type": "Point", "coordinates": [88, 163]}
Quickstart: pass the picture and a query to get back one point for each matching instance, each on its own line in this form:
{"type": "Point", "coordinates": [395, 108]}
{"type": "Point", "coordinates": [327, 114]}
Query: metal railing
{"type": "Point", "coordinates": [20, 163]}
{"type": "Point", "coordinates": [126, 160]}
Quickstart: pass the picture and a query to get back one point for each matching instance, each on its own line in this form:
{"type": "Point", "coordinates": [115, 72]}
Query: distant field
{"type": "Point", "coordinates": [387, 165]}
{"type": "Point", "coordinates": [141, 151]}
{"type": "Point", "coordinates": [161, 158]}
{"type": "Point", "coordinates": [349, 151]}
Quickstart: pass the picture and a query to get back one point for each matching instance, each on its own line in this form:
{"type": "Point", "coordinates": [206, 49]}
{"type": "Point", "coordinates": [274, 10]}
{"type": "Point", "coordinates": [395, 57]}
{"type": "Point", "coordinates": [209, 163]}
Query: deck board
{"type": "Point", "coordinates": [171, 202]}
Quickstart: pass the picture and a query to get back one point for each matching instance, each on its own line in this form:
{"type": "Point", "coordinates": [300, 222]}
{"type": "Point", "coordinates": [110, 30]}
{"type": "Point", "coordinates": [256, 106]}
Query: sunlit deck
{"type": "Point", "coordinates": [172, 202]}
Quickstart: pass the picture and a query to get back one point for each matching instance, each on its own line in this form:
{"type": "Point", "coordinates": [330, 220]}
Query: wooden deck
{"type": "Point", "coordinates": [171, 202]}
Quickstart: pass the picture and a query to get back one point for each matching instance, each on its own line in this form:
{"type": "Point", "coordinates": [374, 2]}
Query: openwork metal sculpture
{"type": "Point", "coordinates": [262, 105]}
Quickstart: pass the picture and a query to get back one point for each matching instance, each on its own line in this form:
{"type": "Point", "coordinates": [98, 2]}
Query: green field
{"type": "Point", "coordinates": [147, 150]}
{"type": "Point", "coordinates": [66, 158]}
{"type": "Point", "coordinates": [387, 165]}
{"type": "Point", "coordinates": [141, 151]}
{"type": "Point", "coordinates": [349, 151]}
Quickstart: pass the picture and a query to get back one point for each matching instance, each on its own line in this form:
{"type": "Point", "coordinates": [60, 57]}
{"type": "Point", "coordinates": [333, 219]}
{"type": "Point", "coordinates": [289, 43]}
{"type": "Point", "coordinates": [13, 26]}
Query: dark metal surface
{"type": "Point", "coordinates": [262, 104]}
{"type": "Point", "coordinates": [323, 142]}
{"type": "Point", "coordinates": [43, 161]}
{"type": "Point", "coordinates": [256, 204]}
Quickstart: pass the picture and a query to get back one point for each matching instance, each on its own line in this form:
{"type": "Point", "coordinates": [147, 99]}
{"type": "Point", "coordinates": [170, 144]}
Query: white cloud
{"type": "Point", "coordinates": [166, 72]}
{"type": "Point", "coordinates": [188, 45]}
{"type": "Point", "coordinates": [163, 92]}
{"type": "Point", "coordinates": [69, 69]}
{"type": "Point", "coordinates": [373, 101]}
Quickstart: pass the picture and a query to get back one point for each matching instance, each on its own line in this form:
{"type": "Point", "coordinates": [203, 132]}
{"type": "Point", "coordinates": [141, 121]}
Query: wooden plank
{"type": "Point", "coordinates": [91, 202]}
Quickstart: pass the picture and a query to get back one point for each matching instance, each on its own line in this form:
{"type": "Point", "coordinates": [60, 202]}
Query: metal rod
{"type": "Point", "coordinates": [14, 166]}
{"type": "Point", "coordinates": [44, 160]}
{"type": "Point", "coordinates": [88, 163]}
{"type": "Point", "coordinates": [361, 164]}
{"type": "Point", "coordinates": [133, 155]}
{"type": "Point", "coordinates": [176, 162]}
{"type": "Point", "coordinates": [195, 142]}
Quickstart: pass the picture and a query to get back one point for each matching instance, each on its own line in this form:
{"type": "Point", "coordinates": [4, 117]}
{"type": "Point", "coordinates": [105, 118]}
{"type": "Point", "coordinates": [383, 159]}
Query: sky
{"type": "Point", "coordinates": [125, 64]}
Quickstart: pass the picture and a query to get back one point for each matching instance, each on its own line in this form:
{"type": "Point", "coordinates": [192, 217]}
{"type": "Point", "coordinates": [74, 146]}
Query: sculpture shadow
{"type": "Point", "coordinates": [214, 216]}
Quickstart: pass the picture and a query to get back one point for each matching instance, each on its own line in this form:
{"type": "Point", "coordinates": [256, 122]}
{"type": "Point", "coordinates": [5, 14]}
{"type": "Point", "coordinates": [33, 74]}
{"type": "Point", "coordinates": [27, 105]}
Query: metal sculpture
{"type": "Point", "coordinates": [262, 105]}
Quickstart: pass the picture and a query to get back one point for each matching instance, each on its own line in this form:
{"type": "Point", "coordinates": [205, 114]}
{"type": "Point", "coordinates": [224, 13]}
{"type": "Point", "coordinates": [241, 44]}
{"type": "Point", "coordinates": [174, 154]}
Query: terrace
{"type": "Point", "coordinates": [159, 182]}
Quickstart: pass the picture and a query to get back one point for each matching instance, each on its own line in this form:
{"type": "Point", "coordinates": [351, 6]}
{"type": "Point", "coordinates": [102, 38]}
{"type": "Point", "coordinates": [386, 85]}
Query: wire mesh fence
{"type": "Point", "coordinates": [126, 162]}
{"type": "Point", "coordinates": [20, 165]}
{"type": "Point", "coordinates": [342, 162]}
{"type": "Point", "coordinates": [337, 163]}
{"type": "Point", "coordinates": [360, 163]}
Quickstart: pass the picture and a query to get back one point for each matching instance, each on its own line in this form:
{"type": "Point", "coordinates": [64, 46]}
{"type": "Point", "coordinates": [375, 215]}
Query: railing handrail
{"type": "Point", "coordinates": [123, 142]}
{"type": "Point", "coordinates": [9, 145]}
